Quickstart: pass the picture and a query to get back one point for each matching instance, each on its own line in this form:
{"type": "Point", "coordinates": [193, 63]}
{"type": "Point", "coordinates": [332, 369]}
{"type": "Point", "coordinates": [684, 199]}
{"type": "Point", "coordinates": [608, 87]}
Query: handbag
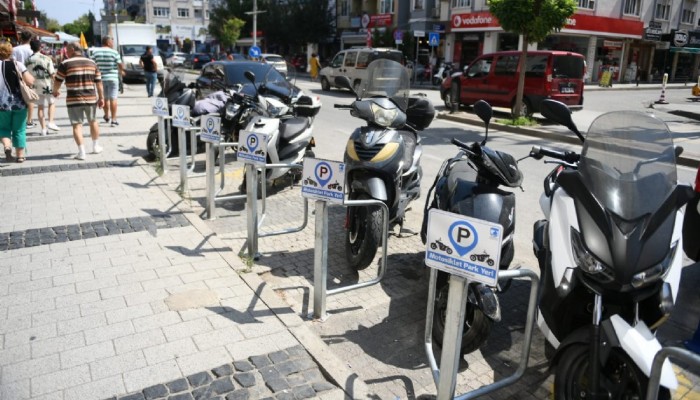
{"type": "Point", "coordinates": [28, 94]}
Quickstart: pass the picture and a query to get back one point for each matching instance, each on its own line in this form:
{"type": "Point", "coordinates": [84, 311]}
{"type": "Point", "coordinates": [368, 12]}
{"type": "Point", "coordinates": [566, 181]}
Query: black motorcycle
{"type": "Point", "coordinates": [382, 158]}
{"type": "Point", "coordinates": [470, 184]}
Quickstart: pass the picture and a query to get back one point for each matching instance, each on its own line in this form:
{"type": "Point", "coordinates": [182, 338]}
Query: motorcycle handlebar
{"type": "Point", "coordinates": [343, 106]}
{"type": "Point", "coordinates": [538, 152]}
{"type": "Point", "coordinates": [460, 144]}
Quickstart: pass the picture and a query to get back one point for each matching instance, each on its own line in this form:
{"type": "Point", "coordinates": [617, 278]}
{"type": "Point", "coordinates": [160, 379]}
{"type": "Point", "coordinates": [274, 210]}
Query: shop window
{"type": "Point", "coordinates": [506, 65]}
{"type": "Point", "coordinates": [586, 4]}
{"type": "Point", "coordinates": [344, 8]}
{"type": "Point", "coordinates": [461, 3]}
{"type": "Point", "coordinates": [632, 7]}
{"type": "Point", "coordinates": [386, 6]}
{"type": "Point", "coordinates": [663, 10]}
{"type": "Point", "coordinates": [688, 13]}
{"type": "Point", "coordinates": [417, 4]}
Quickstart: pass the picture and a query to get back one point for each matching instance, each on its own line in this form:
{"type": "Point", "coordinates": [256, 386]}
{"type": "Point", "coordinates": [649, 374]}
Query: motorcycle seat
{"type": "Point", "coordinates": [293, 127]}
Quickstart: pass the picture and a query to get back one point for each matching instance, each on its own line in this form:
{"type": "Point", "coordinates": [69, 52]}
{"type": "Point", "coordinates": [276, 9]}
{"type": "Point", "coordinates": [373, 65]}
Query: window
{"type": "Point", "coordinates": [461, 3]}
{"type": "Point", "coordinates": [663, 9]}
{"type": "Point", "coordinates": [344, 8]}
{"type": "Point", "coordinates": [161, 12]}
{"type": "Point", "coordinates": [206, 14]}
{"type": "Point", "coordinates": [183, 12]}
{"type": "Point", "coordinates": [198, 13]}
{"type": "Point", "coordinates": [338, 60]}
{"type": "Point", "coordinates": [350, 58]}
{"type": "Point", "coordinates": [480, 68]}
{"type": "Point", "coordinates": [632, 7]}
{"type": "Point", "coordinates": [586, 4]}
{"type": "Point", "coordinates": [535, 65]}
{"type": "Point", "coordinates": [386, 6]}
{"type": "Point", "coordinates": [417, 4]}
{"type": "Point", "coordinates": [506, 65]}
{"type": "Point", "coordinates": [688, 13]}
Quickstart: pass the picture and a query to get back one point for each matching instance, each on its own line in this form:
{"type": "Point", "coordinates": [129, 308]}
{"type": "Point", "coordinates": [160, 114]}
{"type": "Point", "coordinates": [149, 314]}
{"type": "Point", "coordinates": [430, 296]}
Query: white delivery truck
{"type": "Point", "coordinates": [132, 39]}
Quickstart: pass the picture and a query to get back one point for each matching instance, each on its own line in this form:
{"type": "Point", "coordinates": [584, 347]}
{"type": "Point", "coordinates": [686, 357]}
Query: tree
{"type": "Point", "coordinates": [230, 32]}
{"type": "Point", "coordinates": [534, 20]}
{"type": "Point", "coordinates": [82, 24]}
{"type": "Point", "coordinates": [50, 24]}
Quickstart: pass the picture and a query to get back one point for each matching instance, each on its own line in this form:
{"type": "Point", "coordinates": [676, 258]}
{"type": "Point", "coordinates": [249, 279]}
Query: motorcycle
{"type": "Point", "coordinates": [444, 71]}
{"type": "Point", "coordinates": [470, 184]}
{"type": "Point", "coordinates": [382, 158]}
{"type": "Point", "coordinates": [438, 244]}
{"type": "Point", "coordinates": [610, 254]}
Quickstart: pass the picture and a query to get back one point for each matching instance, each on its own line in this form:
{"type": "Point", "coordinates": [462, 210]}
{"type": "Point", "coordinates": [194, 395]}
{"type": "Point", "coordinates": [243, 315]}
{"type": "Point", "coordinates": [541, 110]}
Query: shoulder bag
{"type": "Point", "coordinates": [28, 94]}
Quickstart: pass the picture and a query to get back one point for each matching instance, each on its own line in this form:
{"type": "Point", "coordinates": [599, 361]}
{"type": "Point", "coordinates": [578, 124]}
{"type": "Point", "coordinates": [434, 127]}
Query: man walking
{"type": "Point", "coordinates": [21, 53]}
{"type": "Point", "coordinates": [150, 69]}
{"type": "Point", "coordinates": [111, 67]}
{"type": "Point", "coordinates": [83, 95]}
{"type": "Point", "coordinates": [41, 68]}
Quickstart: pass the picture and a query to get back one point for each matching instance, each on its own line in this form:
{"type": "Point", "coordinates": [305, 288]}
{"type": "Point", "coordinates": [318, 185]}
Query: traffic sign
{"type": "Point", "coordinates": [398, 35]}
{"type": "Point", "coordinates": [181, 116]}
{"type": "Point", "coordinates": [323, 180]}
{"type": "Point", "coordinates": [254, 52]}
{"type": "Point", "coordinates": [211, 129]}
{"type": "Point", "coordinates": [433, 39]}
{"type": "Point", "coordinates": [464, 246]}
{"type": "Point", "coordinates": [252, 147]}
{"type": "Point", "coordinates": [160, 106]}
{"type": "Point", "coordinates": [418, 33]}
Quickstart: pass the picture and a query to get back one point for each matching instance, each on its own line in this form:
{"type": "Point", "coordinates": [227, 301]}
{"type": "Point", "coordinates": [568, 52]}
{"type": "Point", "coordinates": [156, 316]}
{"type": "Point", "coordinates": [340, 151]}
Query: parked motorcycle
{"type": "Point", "coordinates": [382, 158]}
{"type": "Point", "coordinates": [609, 252]}
{"type": "Point", "coordinates": [470, 184]}
{"type": "Point", "coordinates": [443, 71]}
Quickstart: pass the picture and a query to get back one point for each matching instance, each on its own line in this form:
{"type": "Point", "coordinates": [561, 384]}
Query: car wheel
{"type": "Point", "coordinates": [447, 99]}
{"type": "Point", "coordinates": [325, 85]}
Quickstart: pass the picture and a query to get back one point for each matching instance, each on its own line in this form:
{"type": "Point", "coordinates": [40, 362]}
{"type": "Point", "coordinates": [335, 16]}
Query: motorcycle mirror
{"type": "Point", "coordinates": [484, 111]}
{"type": "Point", "coordinates": [249, 76]}
{"type": "Point", "coordinates": [558, 112]}
{"type": "Point", "coordinates": [678, 150]}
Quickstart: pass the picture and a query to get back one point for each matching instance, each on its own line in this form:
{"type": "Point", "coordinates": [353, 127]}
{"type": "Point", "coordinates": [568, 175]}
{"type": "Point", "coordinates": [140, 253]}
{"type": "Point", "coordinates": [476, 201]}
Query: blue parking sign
{"type": "Point", "coordinates": [434, 39]}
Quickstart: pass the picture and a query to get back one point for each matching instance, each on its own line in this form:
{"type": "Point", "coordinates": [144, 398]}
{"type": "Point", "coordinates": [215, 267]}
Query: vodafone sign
{"type": "Point", "coordinates": [474, 21]}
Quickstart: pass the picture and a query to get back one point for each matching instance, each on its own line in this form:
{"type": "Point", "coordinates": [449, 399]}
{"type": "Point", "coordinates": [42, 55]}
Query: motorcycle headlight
{"type": "Point", "coordinates": [231, 109]}
{"type": "Point", "coordinates": [657, 271]}
{"type": "Point", "coordinates": [587, 261]}
{"type": "Point", "coordinates": [382, 116]}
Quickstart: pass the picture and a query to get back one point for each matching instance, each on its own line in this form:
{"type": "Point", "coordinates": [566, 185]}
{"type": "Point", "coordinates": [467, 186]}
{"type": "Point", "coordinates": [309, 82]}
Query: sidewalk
{"type": "Point", "coordinates": [110, 287]}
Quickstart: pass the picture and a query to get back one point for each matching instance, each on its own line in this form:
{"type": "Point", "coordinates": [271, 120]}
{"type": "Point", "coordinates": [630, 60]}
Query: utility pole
{"type": "Point", "coordinates": [255, 13]}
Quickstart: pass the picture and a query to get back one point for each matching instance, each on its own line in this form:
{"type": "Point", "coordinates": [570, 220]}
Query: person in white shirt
{"type": "Point", "coordinates": [21, 53]}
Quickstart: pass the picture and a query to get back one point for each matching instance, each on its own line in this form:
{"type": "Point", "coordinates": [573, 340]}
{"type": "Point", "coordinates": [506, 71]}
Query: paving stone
{"type": "Point", "coordinates": [199, 379]}
{"type": "Point", "coordinates": [155, 392]}
{"type": "Point", "coordinates": [304, 392]}
{"type": "Point", "coordinates": [279, 356]}
{"type": "Point", "coordinates": [181, 396]}
{"type": "Point", "coordinates": [240, 394]}
{"type": "Point", "coordinates": [202, 393]}
{"type": "Point", "coordinates": [286, 395]}
{"type": "Point", "coordinates": [223, 370]}
{"type": "Point", "coordinates": [289, 367]}
{"type": "Point", "coordinates": [135, 396]}
{"type": "Point", "coordinates": [296, 379]}
{"type": "Point", "coordinates": [277, 384]}
{"type": "Point", "coordinates": [322, 386]}
{"type": "Point", "coordinates": [270, 373]}
{"type": "Point", "coordinates": [260, 361]}
{"type": "Point", "coordinates": [222, 385]}
{"type": "Point", "coordinates": [178, 385]}
{"type": "Point", "coordinates": [245, 379]}
{"type": "Point", "coordinates": [243, 366]}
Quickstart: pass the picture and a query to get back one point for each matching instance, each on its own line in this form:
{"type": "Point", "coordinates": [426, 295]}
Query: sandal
{"type": "Point", "coordinates": [21, 159]}
{"type": "Point", "coordinates": [8, 153]}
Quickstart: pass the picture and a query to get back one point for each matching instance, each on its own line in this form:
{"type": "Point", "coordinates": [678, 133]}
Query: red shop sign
{"type": "Point", "coordinates": [594, 24]}
{"type": "Point", "coordinates": [379, 20]}
{"type": "Point", "coordinates": [470, 21]}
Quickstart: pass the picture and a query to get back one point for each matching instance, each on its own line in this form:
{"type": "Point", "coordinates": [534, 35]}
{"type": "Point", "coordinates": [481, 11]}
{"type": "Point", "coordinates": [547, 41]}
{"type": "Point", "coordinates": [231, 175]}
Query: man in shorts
{"type": "Point", "coordinates": [41, 68]}
{"type": "Point", "coordinates": [111, 67]}
{"type": "Point", "coordinates": [83, 95]}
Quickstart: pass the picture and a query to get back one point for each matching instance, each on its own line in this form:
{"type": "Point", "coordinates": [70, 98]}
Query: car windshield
{"type": "Point", "coordinates": [263, 73]}
{"type": "Point", "coordinates": [274, 59]}
{"type": "Point", "coordinates": [137, 50]}
{"type": "Point", "coordinates": [386, 78]}
{"type": "Point", "coordinates": [628, 163]}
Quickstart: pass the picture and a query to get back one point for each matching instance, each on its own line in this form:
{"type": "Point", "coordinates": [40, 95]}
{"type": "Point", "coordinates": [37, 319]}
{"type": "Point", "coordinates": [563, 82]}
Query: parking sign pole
{"type": "Point", "coordinates": [211, 180]}
{"type": "Point", "coordinates": [320, 260]}
{"type": "Point", "coordinates": [162, 145]}
{"type": "Point", "coordinates": [251, 177]}
{"type": "Point", "coordinates": [452, 339]}
{"type": "Point", "coordinates": [182, 145]}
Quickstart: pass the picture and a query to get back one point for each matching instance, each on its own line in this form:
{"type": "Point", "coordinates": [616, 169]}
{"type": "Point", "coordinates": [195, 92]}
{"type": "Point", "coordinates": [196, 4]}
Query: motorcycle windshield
{"type": "Point", "coordinates": [628, 163]}
{"type": "Point", "coordinates": [277, 83]}
{"type": "Point", "coordinates": [387, 78]}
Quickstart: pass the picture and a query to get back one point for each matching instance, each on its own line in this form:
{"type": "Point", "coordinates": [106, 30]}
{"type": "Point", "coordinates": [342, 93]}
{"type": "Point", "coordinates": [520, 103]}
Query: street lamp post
{"type": "Point", "coordinates": [255, 13]}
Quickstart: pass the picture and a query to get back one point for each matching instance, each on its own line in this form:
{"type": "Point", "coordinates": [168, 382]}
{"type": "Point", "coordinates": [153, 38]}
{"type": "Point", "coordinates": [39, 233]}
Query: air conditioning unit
{"type": "Point", "coordinates": [435, 12]}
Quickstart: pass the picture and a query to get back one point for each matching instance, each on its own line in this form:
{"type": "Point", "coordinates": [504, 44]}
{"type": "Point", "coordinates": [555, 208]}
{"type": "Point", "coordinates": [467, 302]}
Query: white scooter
{"type": "Point", "coordinates": [610, 254]}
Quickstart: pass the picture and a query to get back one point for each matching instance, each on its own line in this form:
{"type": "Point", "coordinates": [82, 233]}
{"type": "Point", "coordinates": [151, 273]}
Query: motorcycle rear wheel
{"type": "Point", "coordinates": [620, 377]}
{"type": "Point", "coordinates": [477, 326]}
{"type": "Point", "coordinates": [363, 234]}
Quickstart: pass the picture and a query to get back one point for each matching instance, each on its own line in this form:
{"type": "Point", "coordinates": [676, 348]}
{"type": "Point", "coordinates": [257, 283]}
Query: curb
{"type": "Point", "coordinates": [687, 160]}
{"type": "Point", "coordinates": [331, 365]}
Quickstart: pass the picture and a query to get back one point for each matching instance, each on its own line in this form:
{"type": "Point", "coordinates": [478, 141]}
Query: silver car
{"type": "Point", "coordinates": [277, 61]}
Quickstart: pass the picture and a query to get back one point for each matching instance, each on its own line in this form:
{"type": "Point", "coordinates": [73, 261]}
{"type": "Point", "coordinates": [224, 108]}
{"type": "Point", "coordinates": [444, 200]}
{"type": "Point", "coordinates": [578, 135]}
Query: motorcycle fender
{"type": "Point", "coordinates": [641, 345]}
{"type": "Point", "coordinates": [487, 301]}
{"type": "Point", "coordinates": [373, 186]}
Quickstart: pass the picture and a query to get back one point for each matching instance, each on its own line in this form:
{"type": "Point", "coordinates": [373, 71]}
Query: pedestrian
{"type": "Point", "coordinates": [315, 66]}
{"type": "Point", "coordinates": [42, 69]}
{"type": "Point", "coordinates": [13, 109]}
{"type": "Point", "coordinates": [149, 70]}
{"type": "Point", "coordinates": [83, 95]}
{"type": "Point", "coordinates": [63, 53]}
{"type": "Point", "coordinates": [111, 68]}
{"type": "Point", "coordinates": [21, 53]}
{"type": "Point", "coordinates": [229, 56]}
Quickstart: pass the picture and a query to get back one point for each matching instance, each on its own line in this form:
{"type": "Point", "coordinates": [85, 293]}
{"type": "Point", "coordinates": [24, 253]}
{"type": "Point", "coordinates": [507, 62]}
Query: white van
{"type": "Point", "coordinates": [353, 64]}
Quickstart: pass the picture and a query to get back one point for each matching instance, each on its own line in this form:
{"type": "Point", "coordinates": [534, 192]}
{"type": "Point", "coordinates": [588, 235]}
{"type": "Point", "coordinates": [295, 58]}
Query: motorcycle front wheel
{"type": "Point", "coordinates": [477, 326]}
{"type": "Point", "coordinates": [363, 234]}
{"type": "Point", "coordinates": [620, 377]}
{"type": "Point", "coordinates": [152, 143]}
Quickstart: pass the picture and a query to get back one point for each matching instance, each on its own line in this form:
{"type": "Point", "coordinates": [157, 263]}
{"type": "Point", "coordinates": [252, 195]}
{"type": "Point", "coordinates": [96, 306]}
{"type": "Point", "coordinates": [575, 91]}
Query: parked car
{"type": "Point", "coordinates": [174, 59]}
{"type": "Point", "coordinates": [196, 60]}
{"type": "Point", "coordinates": [691, 222]}
{"type": "Point", "coordinates": [493, 78]}
{"type": "Point", "coordinates": [231, 73]}
{"type": "Point", "coordinates": [299, 62]}
{"type": "Point", "coordinates": [353, 64]}
{"type": "Point", "coordinates": [276, 61]}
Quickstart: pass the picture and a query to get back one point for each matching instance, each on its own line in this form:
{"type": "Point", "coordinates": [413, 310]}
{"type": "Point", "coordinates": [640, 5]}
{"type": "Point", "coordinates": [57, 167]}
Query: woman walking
{"type": "Point", "coordinates": [315, 66]}
{"type": "Point", "coordinates": [13, 109]}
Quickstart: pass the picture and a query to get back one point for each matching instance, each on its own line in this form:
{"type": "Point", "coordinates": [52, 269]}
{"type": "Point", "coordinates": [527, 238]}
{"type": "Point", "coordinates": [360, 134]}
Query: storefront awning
{"type": "Point", "coordinates": [25, 27]}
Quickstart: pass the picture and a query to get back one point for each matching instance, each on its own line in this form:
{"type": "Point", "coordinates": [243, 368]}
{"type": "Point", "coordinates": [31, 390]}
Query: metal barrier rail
{"type": "Point", "coordinates": [446, 387]}
{"type": "Point", "coordinates": [321, 254]}
{"type": "Point", "coordinates": [186, 170]}
{"type": "Point", "coordinates": [212, 195]}
{"type": "Point", "coordinates": [656, 367]}
{"type": "Point", "coordinates": [164, 141]}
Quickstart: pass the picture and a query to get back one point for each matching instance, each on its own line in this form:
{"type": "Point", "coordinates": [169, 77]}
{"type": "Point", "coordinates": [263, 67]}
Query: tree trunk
{"type": "Point", "coordinates": [521, 80]}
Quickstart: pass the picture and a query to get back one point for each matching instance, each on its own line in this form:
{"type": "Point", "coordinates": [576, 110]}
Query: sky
{"type": "Point", "coordinates": [66, 11]}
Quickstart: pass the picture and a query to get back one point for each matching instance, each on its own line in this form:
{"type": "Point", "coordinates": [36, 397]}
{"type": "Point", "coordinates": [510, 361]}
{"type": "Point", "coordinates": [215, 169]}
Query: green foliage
{"type": "Point", "coordinates": [534, 19]}
{"type": "Point", "coordinates": [82, 24]}
{"type": "Point", "coordinates": [50, 24]}
{"type": "Point", "coordinates": [383, 39]}
{"type": "Point", "coordinates": [230, 32]}
{"type": "Point", "coordinates": [187, 45]}
{"type": "Point", "coordinates": [520, 121]}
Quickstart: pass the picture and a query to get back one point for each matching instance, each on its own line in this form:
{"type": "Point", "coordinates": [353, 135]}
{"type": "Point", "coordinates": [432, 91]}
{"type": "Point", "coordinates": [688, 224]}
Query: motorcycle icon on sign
{"type": "Point", "coordinates": [482, 257]}
{"type": "Point", "coordinates": [310, 182]}
{"type": "Point", "coordinates": [259, 152]}
{"type": "Point", "coordinates": [243, 149]}
{"type": "Point", "coordinates": [335, 186]}
{"type": "Point", "coordinates": [442, 246]}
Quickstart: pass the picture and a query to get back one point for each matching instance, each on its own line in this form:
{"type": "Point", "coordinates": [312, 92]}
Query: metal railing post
{"type": "Point", "coordinates": [211, 180]}
{"type": "Point", "coordinates": [320, 260]}
{"type": "Point", "coordinates": [686, 356]}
